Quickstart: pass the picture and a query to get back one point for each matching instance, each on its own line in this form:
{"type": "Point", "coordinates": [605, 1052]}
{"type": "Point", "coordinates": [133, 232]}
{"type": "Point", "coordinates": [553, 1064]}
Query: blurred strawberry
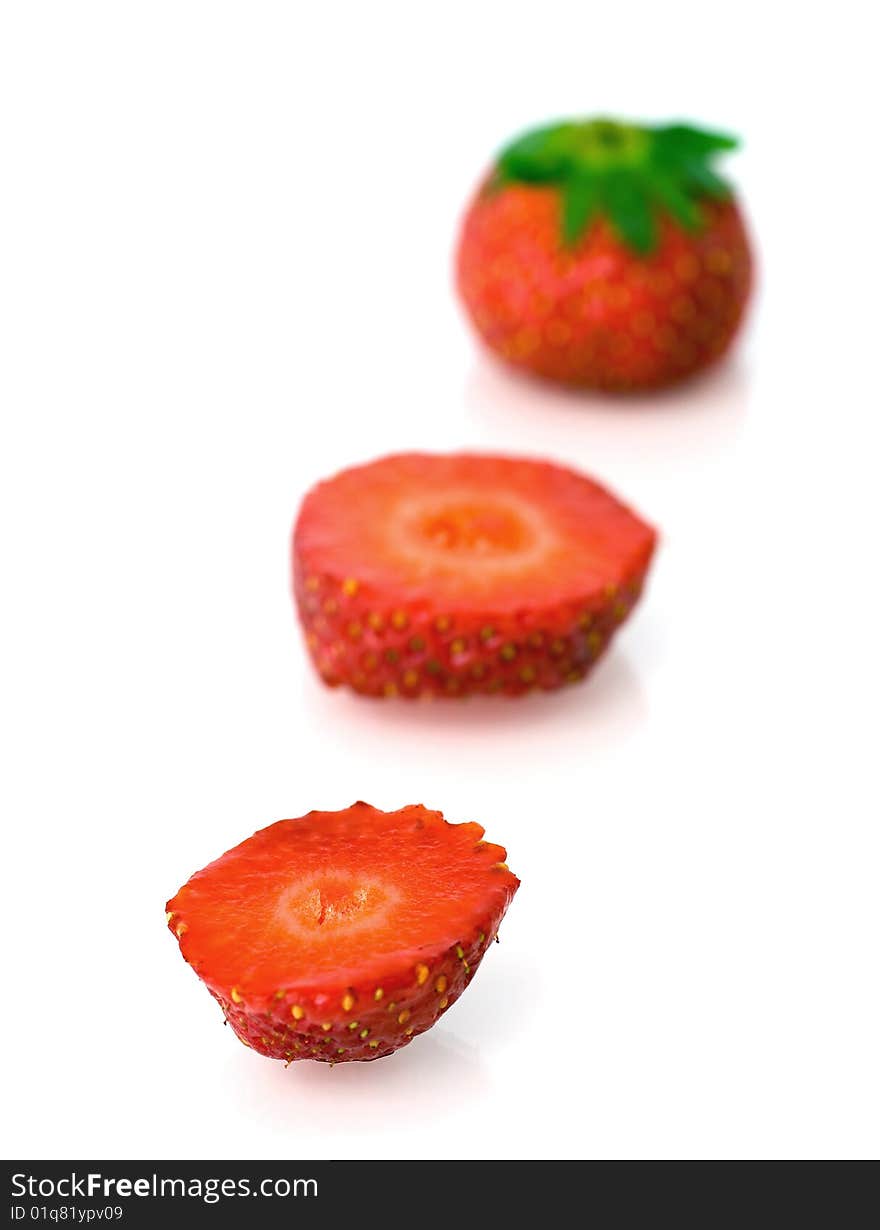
{"type": "Point", "coordinates": [428, 575]}
{"type": "Point", "coordinates": [606, 255]}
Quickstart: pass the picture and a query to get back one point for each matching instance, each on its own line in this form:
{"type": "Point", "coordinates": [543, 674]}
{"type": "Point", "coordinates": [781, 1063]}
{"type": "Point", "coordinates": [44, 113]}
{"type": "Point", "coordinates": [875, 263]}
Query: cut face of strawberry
{"type": "Point", "coordinates": [445, 575]}
{"type": "Point", "coordinates": [341, 935]}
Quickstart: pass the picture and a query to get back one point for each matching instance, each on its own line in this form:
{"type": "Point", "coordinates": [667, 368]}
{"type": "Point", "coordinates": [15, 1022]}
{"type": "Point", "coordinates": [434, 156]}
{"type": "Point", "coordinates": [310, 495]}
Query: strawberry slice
{"type": "Point", "coordinates": [430, 575]}
{"type": "Point", "coordinates": [342, 935]}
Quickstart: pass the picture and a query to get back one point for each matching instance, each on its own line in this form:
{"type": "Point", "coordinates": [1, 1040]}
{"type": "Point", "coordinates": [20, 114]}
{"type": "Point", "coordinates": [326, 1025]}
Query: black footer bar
{"type": "Point", "coordinates": [135, 1194]}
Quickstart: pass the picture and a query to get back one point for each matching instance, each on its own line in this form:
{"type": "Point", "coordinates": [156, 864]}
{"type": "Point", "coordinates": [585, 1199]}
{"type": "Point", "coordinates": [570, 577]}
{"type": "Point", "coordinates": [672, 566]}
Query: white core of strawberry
{"type": "Point", "coordinates": [332, 899]}
{"type": "Point", "coordinates": [470, 530]}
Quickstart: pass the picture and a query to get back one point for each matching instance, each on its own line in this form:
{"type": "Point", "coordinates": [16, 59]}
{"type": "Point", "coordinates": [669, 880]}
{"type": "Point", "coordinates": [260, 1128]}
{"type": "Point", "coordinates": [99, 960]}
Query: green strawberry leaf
{"type": "Point", "coordinates": [703, 180]}
{"type": "Point", "coordinates": [683, 140]}
{"type": "Point", "coordinates": [672, 196]}
{"type": "Point", "coordinates": [542, 156]}
{"type": "Point", "coordinates": [580, 202]}
{"type": "Point", "coordinates": [630, 211]}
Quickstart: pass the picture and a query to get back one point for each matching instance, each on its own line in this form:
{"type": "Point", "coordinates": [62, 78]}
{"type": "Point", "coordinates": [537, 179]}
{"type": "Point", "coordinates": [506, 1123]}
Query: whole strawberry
{"type": "Point", "coordinates": [606, 255]}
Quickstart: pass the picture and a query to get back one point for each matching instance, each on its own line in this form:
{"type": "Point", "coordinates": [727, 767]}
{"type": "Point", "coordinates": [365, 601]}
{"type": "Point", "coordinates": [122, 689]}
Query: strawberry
{"type": "Point", "coordinates": [426, 575]}
{"type": "Point", "coordinates": [606, 255]}
{"type": "Point", "coordinates": [342, 935]}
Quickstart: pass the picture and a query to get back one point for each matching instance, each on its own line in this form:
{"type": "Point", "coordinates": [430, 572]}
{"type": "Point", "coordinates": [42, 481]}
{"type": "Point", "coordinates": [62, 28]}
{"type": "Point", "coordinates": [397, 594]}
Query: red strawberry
{"type": "Point", "coordinates": [606, 255]}
{"type": "Point", "coordinates": [342, 935]}
{"type": "Point", "coordinates": [421, 575]}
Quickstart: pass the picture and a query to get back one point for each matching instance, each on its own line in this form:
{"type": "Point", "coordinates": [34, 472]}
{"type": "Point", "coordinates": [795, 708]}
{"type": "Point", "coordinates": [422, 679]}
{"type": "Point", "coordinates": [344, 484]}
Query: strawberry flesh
{"type": "Point", "coordinates": [341, 935]}
{"type": "Point", "coordinates": [422, 574]}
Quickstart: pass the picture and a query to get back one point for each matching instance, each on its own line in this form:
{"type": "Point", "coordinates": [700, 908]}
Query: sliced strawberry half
{"type": "Point", "coordinates": [341, 935]}
{"type": "Point", "coordinates": [421, 574]}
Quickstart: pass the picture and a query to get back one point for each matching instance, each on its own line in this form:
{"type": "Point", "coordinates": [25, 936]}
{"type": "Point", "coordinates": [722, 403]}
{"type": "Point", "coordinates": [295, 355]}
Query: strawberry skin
{"type": "Point", "coordinates": [623, 265]}
{"type": "Point", "coordinates": [342, 935]}
{"type": "Point", "coordinates": [447, 575]}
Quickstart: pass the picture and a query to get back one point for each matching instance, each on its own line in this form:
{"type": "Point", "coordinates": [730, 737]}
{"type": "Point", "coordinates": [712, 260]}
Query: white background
{"type": "Point", "coordinates": [226, 245]}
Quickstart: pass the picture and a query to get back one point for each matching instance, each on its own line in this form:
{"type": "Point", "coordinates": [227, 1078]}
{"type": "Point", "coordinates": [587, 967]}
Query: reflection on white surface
{"type": "Point", "coordinates": [441, 1070]}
